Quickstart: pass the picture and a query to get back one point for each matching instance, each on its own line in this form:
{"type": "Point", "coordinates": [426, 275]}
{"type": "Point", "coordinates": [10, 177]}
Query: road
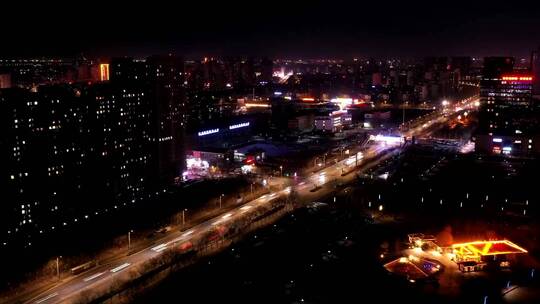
{"type": "Point", "coordinates": [309, 186]}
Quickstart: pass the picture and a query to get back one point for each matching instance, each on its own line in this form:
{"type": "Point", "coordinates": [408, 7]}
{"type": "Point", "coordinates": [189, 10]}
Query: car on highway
{"type": "Point", "coordinates": [185, 247]}
{"type": "Point", "coordinates": [217, 233]}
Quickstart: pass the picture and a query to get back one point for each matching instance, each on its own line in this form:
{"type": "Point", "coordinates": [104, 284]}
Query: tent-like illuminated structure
{"type": "Point", "coordinates": [474, 256]}
{"type": "Point", "coordinates": [413, 268]}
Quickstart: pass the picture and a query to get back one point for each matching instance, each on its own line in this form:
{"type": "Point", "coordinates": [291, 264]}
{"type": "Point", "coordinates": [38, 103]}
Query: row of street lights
{"type": "Point", "coordinates": [221, 196]}
{"type": "Point", "coordinates": [184, 214]}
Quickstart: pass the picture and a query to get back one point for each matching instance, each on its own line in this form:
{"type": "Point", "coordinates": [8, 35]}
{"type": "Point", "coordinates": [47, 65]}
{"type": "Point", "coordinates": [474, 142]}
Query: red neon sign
{"type": "Point", "coordinates": [517, 78]}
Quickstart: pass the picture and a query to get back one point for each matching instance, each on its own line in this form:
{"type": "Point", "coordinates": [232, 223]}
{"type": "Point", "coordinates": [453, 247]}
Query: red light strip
{"type": "Point", "coordinates": [518, 78]}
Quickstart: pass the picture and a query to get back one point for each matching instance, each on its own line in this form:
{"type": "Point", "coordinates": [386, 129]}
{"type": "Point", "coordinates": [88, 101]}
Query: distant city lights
{"type": "Point", "coordinates": [282, 75]}
{"type": "Point", "coordinates": [196, 163]}
{"type": "Point", "coordinates": [343, 103]}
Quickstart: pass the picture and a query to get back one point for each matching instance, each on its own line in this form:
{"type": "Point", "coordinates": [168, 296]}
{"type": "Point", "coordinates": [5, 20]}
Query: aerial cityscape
{"type": "Point", "coordinates": [317, 152]}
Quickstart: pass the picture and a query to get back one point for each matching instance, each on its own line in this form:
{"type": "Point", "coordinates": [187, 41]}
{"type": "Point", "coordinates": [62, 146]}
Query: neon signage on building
{"type": "Point", "coordinates": [240, 125]}
{"type": "Point", "coordinates": [208, 132]}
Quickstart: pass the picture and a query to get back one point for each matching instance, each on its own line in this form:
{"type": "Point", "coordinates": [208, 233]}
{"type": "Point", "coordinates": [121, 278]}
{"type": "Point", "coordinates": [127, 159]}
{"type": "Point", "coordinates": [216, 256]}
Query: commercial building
{"type": "Point", "coordinates": [333, 122]}
{"type": "Point", "coordinates": [508, 120]}
{"type": "Point", "coordinates": [301, 123]}
{"type": "Point", "coordinates": [224, 134]}
{"type": "Point", "coordinates": [475, 256]}
{"type": "Point", "coordinates": [470, 256]}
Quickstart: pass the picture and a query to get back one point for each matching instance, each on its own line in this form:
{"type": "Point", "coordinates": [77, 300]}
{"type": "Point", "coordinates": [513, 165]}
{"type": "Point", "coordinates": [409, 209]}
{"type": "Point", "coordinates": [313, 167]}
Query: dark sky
{"type": "Point", "coordinates": [330, 28]}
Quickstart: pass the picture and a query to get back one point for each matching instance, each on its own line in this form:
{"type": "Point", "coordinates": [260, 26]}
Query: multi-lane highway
{"type": "Point", "coordinates": [105, 275]}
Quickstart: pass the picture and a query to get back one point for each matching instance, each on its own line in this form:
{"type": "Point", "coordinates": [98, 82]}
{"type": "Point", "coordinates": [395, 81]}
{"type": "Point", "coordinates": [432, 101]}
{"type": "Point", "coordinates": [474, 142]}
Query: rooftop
{"type": "Point", "coordinates": [485, 248]}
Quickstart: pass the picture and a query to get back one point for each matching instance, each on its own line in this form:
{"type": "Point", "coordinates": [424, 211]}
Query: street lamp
{"type": "Point", "coordinates": [58, 266]}
{"type": "Point", "coordinates": [184, 217]}
{"type": "Point", "coordinates": [129, 239]}
{"type": "Point", "coordinates": [220, 198]}
{"type": "Point", "coordinates": [281, 170]}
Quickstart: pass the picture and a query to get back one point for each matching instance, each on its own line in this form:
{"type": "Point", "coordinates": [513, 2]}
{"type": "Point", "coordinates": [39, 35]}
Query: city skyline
{"type": "Point", "coordinates": [270, 152]}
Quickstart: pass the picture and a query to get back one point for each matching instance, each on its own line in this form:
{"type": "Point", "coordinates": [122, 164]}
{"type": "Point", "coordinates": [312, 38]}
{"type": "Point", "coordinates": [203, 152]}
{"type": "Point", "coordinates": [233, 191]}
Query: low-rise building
{"type": "Point", "coordinates": [333, 122]}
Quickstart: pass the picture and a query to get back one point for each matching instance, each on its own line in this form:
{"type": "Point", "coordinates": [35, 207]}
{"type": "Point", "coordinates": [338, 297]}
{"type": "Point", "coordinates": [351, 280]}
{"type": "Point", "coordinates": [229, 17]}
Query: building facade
{"type": "Point", "coordinates": [508, 120]}
{"type": "Point", "coordinates": [71, 152]}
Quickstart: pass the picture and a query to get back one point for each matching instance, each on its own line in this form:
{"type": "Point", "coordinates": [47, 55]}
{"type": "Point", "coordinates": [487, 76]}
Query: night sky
{"type": "Point", "coordinates": [334, 28]}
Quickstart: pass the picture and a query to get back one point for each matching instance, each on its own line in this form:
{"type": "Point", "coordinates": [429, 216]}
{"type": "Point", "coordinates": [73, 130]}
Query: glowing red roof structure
{"type": "Point", "coordinates": [413, 267]}
{"type": "Point", "coordinates": [477, 249]}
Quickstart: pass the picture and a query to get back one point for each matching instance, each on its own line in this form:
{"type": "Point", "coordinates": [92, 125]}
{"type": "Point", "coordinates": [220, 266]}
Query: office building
{"type": "Point", "coordinates": [507, 121]}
